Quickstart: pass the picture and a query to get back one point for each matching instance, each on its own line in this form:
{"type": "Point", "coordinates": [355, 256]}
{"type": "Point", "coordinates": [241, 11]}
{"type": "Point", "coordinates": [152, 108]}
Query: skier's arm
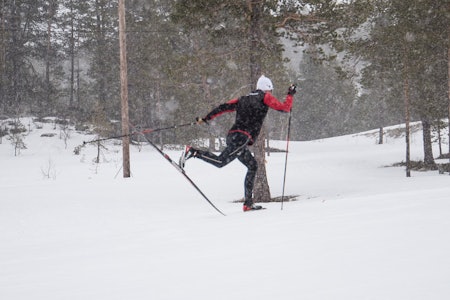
{"type": "Point", "coordinates": [274, 103]}
{"type": "Point", "coordinates": [230, 106]}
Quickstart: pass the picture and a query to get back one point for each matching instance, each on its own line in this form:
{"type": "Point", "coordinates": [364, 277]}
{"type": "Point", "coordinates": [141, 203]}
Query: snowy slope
{"type": "Point", "coordinates": [359, 230]}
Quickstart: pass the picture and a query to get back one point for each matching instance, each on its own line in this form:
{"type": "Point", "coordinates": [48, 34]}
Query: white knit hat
{"type": "Point", "coordinates": [264, 84]}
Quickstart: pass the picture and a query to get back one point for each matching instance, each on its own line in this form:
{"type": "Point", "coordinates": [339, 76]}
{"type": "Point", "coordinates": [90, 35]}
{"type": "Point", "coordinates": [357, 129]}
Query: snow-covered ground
{"type": "Point", "coordinates": [72, 229]}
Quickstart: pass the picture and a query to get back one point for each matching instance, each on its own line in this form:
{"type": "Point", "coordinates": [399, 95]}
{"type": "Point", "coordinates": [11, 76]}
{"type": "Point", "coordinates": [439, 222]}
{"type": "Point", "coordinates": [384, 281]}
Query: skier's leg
{"type": "Point", "coordinates": [249, 161]}
{"type": "Point", "coordinates": [236, 143]}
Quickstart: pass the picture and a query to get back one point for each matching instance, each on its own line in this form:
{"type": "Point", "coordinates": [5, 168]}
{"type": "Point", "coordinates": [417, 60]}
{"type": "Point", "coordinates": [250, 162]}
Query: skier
{"type": "Point", "coordinates": [251, 111]}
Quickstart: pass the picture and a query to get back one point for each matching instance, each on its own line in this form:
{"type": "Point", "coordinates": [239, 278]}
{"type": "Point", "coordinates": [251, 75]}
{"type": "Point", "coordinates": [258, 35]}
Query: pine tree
{"type": "Point", "coordinates": [405, 41]}
{"type": "Point", "coordinates": [20, 82]}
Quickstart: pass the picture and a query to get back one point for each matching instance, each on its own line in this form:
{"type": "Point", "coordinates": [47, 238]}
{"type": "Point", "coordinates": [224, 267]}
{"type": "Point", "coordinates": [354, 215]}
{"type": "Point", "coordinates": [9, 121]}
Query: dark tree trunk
{"type": "Point", "coordinates": [407, 112]}
{"type": "Point", "coordinates": [427, 145]}
{"type": "Point", "coordinates": [381, 136]}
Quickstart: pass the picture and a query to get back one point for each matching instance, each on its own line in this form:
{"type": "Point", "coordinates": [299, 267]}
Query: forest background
{"type": "Point", "coordinates": [359, 64]}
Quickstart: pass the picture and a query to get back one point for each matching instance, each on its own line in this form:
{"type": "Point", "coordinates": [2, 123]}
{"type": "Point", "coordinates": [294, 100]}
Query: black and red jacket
{"type": "Point", "coordinates": [251, 111]}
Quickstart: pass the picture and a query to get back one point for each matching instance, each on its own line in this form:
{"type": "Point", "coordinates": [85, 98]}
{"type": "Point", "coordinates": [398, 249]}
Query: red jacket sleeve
{"type": "Point", "coordinates": [274, 103]}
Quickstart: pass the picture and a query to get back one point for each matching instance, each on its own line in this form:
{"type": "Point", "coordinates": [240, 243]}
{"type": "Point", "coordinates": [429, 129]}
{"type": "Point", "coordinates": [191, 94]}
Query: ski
{"type": "Point", "coordinates": [263, 208]}
{"type": "Point", "coordinates": [181, 170]}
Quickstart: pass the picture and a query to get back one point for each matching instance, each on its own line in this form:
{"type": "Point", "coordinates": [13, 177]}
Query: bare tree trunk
{"type": "Point", "coordinates": [261, 190]}
{"type": "Point", "coordinates": [439, 137]}
{"type": "Point", "coordinates": [2, 58]}
{"type": "Point", "coordinates": [448, 85]}
{"type": "Point", "coordinates": [255, 38]}
{"type": "Point", "coordinates": [72, 58]}
{"type": "Point", "coordinates": [158, 118]}
{"type": "Point", "coordinates": [100, 48]}
{"type": "Point", "coordinates": [78, 83]}
{"type": "Point", "coordinates": [207, 96]}
{"type": "Point", "coordinates": [47, 105]}
{"type": "Point", "coordinates": [124, 89]}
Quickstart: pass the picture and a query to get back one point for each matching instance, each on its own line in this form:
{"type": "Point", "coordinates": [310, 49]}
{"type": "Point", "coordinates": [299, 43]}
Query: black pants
{"type": "Point", "coordinates": [236, 148]}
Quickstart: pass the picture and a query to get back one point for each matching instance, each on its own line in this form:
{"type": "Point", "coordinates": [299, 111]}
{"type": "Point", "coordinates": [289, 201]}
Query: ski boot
{"type": "Point", "coordinates": [251, 207]}
{"type": "Point", "coordinates": [186, 154]}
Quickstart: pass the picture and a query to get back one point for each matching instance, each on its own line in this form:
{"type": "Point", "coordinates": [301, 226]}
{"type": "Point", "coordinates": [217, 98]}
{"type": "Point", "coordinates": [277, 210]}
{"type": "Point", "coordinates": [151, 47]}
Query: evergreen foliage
{"type": "Point", "coordinates": [60, 57]}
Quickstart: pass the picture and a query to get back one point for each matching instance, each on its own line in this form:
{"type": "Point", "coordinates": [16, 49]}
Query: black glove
{"type": "Point", "coordinates": [200, 120]}
{"type": "Point", "coordinates": [292, 89]}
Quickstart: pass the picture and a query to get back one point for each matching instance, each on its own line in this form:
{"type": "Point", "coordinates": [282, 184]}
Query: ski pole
{"type": "Point", "coordinates": [166, 128]}
{"type": "Point", "coordinates": [148, 130]}
{"type": "Point", "coordinates": [286, 158]}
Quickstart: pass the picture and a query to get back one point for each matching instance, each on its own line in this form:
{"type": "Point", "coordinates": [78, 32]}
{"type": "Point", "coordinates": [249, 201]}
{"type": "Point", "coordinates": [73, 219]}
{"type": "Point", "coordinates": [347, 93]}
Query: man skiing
{"type": "Point", "coordinates": [251, 111]}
